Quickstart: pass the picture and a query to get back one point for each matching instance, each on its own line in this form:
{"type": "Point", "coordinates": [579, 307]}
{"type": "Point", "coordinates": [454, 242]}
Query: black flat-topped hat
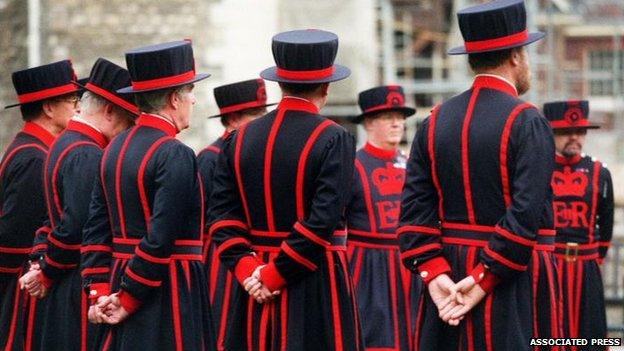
{"type": "Point", "coordinates": [381, 99]}
{"type": "Point", "coordinates": [161, 66]}
{"type": "Point", "coordinates": [305, 56]}
{"type": "Point", "coordinates": [240, 96]}
{"type": "Point", "coordinates": [81, 82]}
{"type": "Point", "coordinates": [570, 114]}
{"type": "Point", "coordinates": [493, 26]}
{"type": "Point", "coordinates": [44, 82]}
{"type": "Point", "coordinates": [105, 79]}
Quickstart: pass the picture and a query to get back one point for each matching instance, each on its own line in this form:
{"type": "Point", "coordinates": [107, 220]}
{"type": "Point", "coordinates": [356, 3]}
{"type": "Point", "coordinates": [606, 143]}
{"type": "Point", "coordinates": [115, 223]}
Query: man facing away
{"type": "Point", "coordinates": [47, 100]}
{"type": "Point", "coordinates": [281, 185]}
{"type": "Point", "coordinates": [71, 167]}
{"type": "Point", "coordinates": [239, 103]}
{"type": "Point", "coordinates": [476, 189]}
{"type": "Point", "coordinates": [147, 210]}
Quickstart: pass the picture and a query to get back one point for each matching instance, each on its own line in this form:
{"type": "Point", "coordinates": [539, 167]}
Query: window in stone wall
{"type": "Point", "coordinates": [602, 71]}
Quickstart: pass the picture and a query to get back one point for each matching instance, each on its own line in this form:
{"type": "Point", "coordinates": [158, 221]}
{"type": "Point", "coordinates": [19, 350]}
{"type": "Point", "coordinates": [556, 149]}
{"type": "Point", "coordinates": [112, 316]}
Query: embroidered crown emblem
{"type": "Point", "coordinates": [569, 183]}
{"type": "Point", "coordinates": [389, 180]}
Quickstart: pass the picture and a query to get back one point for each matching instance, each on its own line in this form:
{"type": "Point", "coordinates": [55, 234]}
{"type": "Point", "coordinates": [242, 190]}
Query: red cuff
{"type": "Point", "coordinates": [271, 277]}
{"type": "Point", "coordinates": [245, 268]}
{"type": "Point", "coordinates": [98, 289]}
{"type": "Point", "coordinates": [128, 302]}
{"type": "Point", "coordinates": [433, 268]}
{"type": "Point", "coordinates": [486, 279]}
{"type": "Point", "coordinates": [600, 260]}
{"type": "Point", "coordinates": [47, 282]}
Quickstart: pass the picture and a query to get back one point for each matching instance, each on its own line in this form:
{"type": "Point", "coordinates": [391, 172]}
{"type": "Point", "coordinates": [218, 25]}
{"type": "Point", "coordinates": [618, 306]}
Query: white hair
{"type": "Point", "coordinates": [155, 101]}
{"type": "Point", "coordinates": [91, 104]}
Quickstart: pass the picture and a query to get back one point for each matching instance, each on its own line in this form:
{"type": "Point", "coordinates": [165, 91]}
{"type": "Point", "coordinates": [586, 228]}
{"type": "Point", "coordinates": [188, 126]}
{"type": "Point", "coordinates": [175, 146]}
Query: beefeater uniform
{"type": "Point", "coordinates": [143, 236]}
{"type": "Point", "coordinates": [474, 196]}
{"type": "Point", "coordinates": [230, 98]}
{"type": "Point", "coordinates": [583, 210]}
{"type": "Point", "coordinates": [387, 293]}
{"type": "Point", "coordinates": [22, 204]}
{"type": "Point", "coordinates": [71, 168]}
{"type": "Point", "coordinates": [281, 184]}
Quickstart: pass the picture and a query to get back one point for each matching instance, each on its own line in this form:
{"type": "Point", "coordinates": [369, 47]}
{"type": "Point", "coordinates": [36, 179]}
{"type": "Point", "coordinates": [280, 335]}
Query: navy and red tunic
{"type": "Point", "coordinates": [387, 293]}
{"type": "Point", "coordinates": [281, 186]}
{"type": "Point", "coordinates": [71, 167]}
{"type": "Point", "coordinates": [220, 280]}
{"type": "Point", "coordinates": [143, 236]}
{"type": "Point", "coordinates": [583, 210]}
{"type": "Point", "coordinates": [476, 187]}
{"type": "Point", "coordinates": [22, 210]}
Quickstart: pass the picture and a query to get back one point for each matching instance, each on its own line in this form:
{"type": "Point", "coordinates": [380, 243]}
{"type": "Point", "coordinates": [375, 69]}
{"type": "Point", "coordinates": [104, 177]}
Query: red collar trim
{"type": "Point", "coordinates": [494, 82]}
{"type": "Point", "coordinates": [295, 103]}
{"type": "Point", "coordinates": [380, 153]}
{"type": "Point", "coordinates": [568, 160]}
{"type": "Point", "coordinates": [39, 132]}
{"type": "Point", "coordinates": [226, 134]}
{"type": "Point", "coordinates": [157, 122]}
{"type": "Point", "coordinates": [89, 131]}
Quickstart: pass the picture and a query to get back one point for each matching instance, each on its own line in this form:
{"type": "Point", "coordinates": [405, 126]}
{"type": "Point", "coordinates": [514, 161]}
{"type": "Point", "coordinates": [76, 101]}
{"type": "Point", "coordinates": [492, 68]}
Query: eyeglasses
{"type": "Point", "coordinates": [74, 100]}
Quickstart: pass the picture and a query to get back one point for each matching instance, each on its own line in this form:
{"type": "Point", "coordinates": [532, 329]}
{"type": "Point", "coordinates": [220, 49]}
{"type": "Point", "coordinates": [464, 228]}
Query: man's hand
{"type": "Point", "coordinates": [31, 281]}
{"type": "Point", "coordinates": [95, 314]}
{"type": "Point", "coordinates": [111, 311]}
{"type": "Point", "coordinates": [468, 295]}
{"type": "Point", "coordinates": [444, 297]}
{"type": "Point", "coordinates": [253, 285]}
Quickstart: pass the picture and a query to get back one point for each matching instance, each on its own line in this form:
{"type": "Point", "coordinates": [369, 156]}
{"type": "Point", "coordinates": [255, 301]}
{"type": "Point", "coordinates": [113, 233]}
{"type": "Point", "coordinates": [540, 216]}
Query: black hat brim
{"type": "Point", "coordinates": [533, 37]}
{"type": "Point", "coordinates": [242, 109]}
{"type": "Point", "coordinates": [591, 126]}
{"type": "Point", "coordinates": [340, 73]}
{"type": "Point", "coordinates": [407, 112]}
{"type": "Point", "coordinates": [197, 78]}
{"type": "Point", "coordinates": [84, 87]}
{"type": "Point", "coordinates": [49, 97]}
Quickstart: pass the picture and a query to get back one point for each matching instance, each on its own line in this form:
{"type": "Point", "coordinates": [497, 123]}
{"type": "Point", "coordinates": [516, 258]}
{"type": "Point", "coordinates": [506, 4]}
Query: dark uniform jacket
{"type": "Point", "coordinates": [22, 210]}
{"type": "Point", "coordinates": [281, 185]}
{"type": "Point", "coordinates": [146, 214]}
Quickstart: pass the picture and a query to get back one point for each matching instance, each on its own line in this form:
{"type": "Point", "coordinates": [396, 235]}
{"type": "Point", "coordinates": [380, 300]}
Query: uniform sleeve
{"type": "Point", "coordinates": [419, 224]}
{"type": "Point", "coordinates": [206, 163]}
{"type": "Point", "coordinates": [75, 179]}
{"type": "Point", "coordinates": [96, 250]}
{"type": "Point", "coordinates": [40, 242]}
{"type": "Point", "coordinates": [605, 212]}
{"type": "Point", "coordinates": [23, 209]}
{"type": "Point", "coordinates": [531, 167]}
{"type": "Point", "coordinates": [228, 228]}
{"type": "Point", "coordinates": [304, 248]}
{"type": "Point", "coordinates": [176, 198]}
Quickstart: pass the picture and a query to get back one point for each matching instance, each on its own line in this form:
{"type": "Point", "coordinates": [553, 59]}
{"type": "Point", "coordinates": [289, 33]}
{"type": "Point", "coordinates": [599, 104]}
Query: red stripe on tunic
{"type": "Point", "coordinates": [268, 159]}
{"type": "Point", "coordinates": [118, 169]}
{"type": "Point", "coordinates": [595, 192]}
{"type": "Point", "coordinates": [335, 304]}
{"type": "Point", "coordinates": [367, 195]}
{"type": "Point", "coordinates": [503, 151]}
{"type": "Point", "coordinates": [239, 175]}
{"type": "Point", "coordinates": [301, 167]}
{"type": "Point", "coordinates": [175, 305]}
{"type": "Point", "coordinates": [465, 151]}
{"type": "Point", "coordinates": [141, 181]}
{"type": "Point", "coordinates": [432, 158]}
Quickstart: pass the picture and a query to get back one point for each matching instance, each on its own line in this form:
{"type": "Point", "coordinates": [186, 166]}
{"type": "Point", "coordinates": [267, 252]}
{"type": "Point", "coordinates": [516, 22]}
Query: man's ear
{"type": "Point", "coordinates": [174, 99]}
{"type": "Point", "coordinates": [325, 89]}
{"type": "Point", "coordinates": [516, 57]}
{"type": "Point", "coordinates": [47, 108]}
{"type": "Point", "coordinates": [109, 111]}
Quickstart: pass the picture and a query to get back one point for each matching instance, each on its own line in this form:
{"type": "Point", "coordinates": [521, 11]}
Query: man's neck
{"type": "Point", "coordinates": [46, 123]}
{"type": "Point", "coordinates": [318, 101]}
{"type": "Point", "coordinates": [93, 121]}
{"type": "Point", "coordinates": [384, 145]}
